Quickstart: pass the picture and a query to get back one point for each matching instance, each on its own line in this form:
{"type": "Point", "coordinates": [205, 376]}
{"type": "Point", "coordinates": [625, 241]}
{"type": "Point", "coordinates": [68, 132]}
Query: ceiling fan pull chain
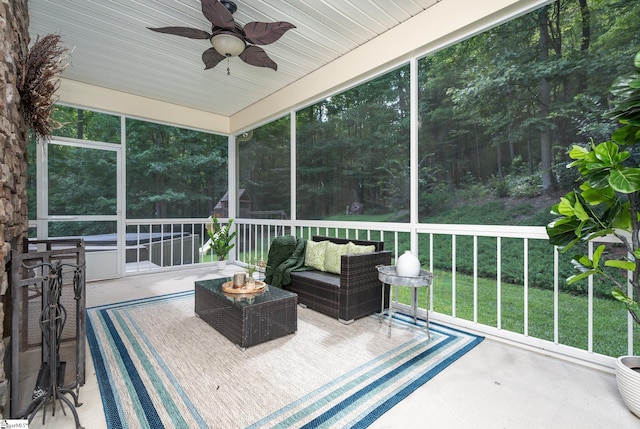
{"type": "Point", "coordinates": [228, 71]}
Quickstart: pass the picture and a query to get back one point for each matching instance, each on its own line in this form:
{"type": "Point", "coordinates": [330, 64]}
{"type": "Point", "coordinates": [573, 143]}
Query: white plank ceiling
{"type": "Point", "coordinates": [110, 45]}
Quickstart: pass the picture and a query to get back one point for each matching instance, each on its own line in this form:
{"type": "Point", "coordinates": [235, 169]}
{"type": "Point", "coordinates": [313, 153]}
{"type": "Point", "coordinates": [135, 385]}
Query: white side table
{"type": "Point", "coordinates": [387, 275]}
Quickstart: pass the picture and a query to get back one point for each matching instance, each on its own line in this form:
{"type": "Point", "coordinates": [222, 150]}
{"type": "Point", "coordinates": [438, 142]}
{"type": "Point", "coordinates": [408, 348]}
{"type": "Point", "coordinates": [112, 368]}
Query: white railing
{"type": "Point", "coordinates": [173, 242]}
{"type": "Point", "coordinates": [154, 245]}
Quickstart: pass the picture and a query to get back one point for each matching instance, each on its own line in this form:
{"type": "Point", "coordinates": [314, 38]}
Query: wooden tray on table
{"type": "Point", "coordinates": [244, 290]}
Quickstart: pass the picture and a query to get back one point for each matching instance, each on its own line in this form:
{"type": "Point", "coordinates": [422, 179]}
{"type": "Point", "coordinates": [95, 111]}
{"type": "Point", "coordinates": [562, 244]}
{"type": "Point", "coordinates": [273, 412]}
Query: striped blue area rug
{"type": "Point", "coordinates": [160, 366]}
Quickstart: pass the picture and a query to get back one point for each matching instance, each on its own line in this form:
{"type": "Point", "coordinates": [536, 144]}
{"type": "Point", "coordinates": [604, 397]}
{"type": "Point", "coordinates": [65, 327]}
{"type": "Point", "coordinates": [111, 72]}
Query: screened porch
{"type": "Point", "coordinates": [399, 144]}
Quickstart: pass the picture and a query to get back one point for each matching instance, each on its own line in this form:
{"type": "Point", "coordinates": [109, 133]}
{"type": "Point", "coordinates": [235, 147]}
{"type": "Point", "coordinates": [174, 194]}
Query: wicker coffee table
{"type": "Point", "coordinates": [250, 319]}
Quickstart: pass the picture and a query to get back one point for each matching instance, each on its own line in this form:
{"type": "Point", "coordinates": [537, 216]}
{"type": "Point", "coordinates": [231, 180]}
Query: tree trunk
{"type": "Point", "coordinates": [477, 153]}
{"type": "Point", "coordinates": [499, 158]}
{"type": "Point", "coordinates": [584, 45]}
{"type": "Point", "coordinates": [530, 155]}
{"type": "Point", "coordinates": [80, 134]}
{"type": "Point", "coordinates": [586, 26]}
{"type": "Point", "coordinates": [544, 102]}
{"type": "Point", "coordinates": [512, 149]}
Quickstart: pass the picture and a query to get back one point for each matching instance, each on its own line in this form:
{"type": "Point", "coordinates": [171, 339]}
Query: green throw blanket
{"type": "Point", "coordinates": [286, 254]}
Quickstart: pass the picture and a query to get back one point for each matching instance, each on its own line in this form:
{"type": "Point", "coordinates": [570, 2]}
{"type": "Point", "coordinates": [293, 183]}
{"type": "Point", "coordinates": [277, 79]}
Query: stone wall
{"type": "Point", "coordinates": [14, 42]}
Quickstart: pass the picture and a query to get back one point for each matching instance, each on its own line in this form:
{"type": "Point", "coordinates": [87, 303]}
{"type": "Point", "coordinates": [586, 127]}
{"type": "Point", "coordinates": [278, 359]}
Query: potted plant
{"type": "Point", "coordinates": [220, 240]}
{"type": "Point", "coordinates": [607, 203]}
{"type": "Point", "coordinates": [254, 265]}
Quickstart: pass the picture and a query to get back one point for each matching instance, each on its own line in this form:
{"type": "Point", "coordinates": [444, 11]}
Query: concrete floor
{"type": "Point", "coordinates": [495, 385]}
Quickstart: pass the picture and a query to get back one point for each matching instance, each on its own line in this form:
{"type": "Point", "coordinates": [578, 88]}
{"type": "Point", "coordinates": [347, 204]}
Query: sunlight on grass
{"type": "Point", "coordinates": [609, 319]}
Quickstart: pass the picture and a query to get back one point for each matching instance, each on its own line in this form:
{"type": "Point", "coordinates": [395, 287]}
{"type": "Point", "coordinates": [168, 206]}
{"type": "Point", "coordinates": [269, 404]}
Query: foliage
{"type": "Point", "coordinates": [481, 108]}
{"type": "Point", "coordinates": [264, 163]}
{"type": "Point", "coordinates": [480, 122]}
{"type": "Point", "coordinates": [608, 200]}
{"type": "Point", "coordinates": [173, 172]}
{"type": "Point", "coordinates": [502, 212]}
{"type": "Point", "coordinates": [88, 125]}
{"type": "Point", "coordinates": [354, 147]}
{"type": "Point", "coordinates": [221, 238]}
{"type": "Point", "coordinates": [254, 265]}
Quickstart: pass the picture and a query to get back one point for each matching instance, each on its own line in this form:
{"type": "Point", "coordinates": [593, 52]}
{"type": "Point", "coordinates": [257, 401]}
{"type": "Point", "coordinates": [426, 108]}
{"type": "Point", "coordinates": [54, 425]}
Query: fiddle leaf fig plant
{"type": "Point", "coordinates": [607, 202]}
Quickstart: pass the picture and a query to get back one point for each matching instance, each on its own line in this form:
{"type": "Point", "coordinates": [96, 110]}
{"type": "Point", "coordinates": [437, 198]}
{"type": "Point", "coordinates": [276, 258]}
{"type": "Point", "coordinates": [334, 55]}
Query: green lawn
{"type": "Point", "coordinates": [609, 318]}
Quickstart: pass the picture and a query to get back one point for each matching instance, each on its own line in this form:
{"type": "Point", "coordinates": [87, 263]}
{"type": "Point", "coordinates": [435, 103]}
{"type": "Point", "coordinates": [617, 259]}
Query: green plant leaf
{"type": "Point", "coordinates": [582, 262]}
{"type": "Point", "coordinates": [595, 233]}
{"type": "Point", "coordinates": [629, 134]}
{"type": "Point", "coordinates": [600, 209]}
{"type": "Point", "coordinates": [631, 304]}
{"type": "Point", "coordinates": [581, 276]}
{"type": "Point", "coordinates": [625, 179]}
{"type": "Point", "coordinates": [220, 238]}
{"type": "Point", "coordinates": [617, 263]}
{"type": "Point", "coordinates": [561, 232]}
{"type": "Point", "coordinates": [619, 295]}
{"type": "Point", "coordinates": [578, 152]}
{"type": "Point", "coordinates": [607, 153]}
{"type": "Point", "coordinates": [597, 196]}
{"type": "Point", "coordinates": [597, 254]}
{"type": "Point", "coordinates": [565, 207]}
{"type": "Point", "coordinates": [563, 224]}
{"type": "Point", "coordinates": [580, 212]}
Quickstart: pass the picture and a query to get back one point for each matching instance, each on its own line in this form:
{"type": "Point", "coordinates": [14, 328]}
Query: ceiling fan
{"type": "Point", "coordinates": [230, 39]}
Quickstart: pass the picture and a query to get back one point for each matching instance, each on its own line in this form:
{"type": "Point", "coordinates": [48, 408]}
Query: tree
{"type": "Point", "coordinates": [544, 103]}
{"type": "Point", "coordinates": [173, 172]}
{"type": "Point", "coordinates": [349, 143]}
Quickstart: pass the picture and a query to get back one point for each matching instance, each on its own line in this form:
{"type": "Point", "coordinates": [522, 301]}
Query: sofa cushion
{"type": "Point", "coordinates": [332, 257]}
{"type": "Point", "coordinates": [314, 254]}
{"type": "Point", "coordinates": [355, 249]}
{"type": "Point", "coordinates": [329, 279]}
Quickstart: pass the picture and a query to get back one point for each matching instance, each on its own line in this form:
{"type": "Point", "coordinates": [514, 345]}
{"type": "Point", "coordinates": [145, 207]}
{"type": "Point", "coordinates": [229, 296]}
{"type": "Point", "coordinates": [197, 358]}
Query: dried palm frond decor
{"type": "Point", "coordinates": [38, 81]}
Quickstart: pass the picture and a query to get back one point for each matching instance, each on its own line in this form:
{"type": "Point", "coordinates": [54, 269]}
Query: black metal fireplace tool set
{"type": "Point", "coordinates": [50, 387]}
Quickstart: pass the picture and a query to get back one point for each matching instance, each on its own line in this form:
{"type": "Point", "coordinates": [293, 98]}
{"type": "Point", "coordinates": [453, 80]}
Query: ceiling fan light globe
{"type": "Point", "coordinates": [227, 44]}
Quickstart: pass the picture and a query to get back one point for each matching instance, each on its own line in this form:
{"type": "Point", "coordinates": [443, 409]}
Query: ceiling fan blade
{"type": "Point", "coordinates": [192, 33]}
{"type": "Point", "coordinates": [257, 57]}
{"type": "Point", "coordinates": [217, 14]}
{"type": "Point", "coordinates": [211, 58]}
{"type": "Point", "coordinates": [263, 33]}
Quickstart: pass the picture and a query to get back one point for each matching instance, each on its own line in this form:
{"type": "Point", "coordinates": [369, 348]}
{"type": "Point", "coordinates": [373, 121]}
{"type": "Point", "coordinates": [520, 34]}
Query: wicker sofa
{"type": "Point", "coordinates": [354, 293]}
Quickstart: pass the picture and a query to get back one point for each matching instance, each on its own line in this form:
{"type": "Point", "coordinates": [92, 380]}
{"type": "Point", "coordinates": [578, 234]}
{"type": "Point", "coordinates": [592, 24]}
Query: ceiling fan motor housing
{"type": "Point", "coordinates": [237, 31]}
{"type": "Point", "coordinates": [231, 6]}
